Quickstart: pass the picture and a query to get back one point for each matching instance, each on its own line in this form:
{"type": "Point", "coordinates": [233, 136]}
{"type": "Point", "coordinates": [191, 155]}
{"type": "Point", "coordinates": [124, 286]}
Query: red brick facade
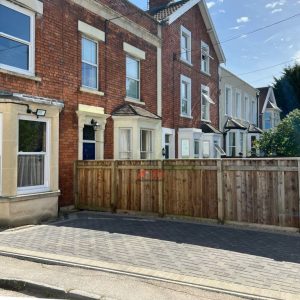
{"type": "Point", "coordinates": [173, 67]}
{"type": "Point", "coordinates": [58, 63]}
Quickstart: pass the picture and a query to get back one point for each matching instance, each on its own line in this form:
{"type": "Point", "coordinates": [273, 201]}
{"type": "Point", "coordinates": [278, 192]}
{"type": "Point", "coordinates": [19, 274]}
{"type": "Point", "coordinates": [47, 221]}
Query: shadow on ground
{"type": "Point", "coordinates": [277, 246]}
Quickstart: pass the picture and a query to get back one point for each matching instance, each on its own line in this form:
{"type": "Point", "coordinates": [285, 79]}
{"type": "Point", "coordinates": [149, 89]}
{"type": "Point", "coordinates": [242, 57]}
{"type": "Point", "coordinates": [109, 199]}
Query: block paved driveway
{"type": "Point", "coordinates": [251, 258]}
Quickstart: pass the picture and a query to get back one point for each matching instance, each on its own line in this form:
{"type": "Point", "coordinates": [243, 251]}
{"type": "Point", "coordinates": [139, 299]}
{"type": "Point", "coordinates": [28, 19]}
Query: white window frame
{"type": "Point", "coordinates": [207, 106]}
{"type": "Point", "coordinates": [253, 109]}
{"type": "Point", "coordinates": [188, 81]}
{"type": "Point", "coordinates": [130, 153]}
{"type": "Point", "coordinates": [238, 104]}
{"type": "Point", "coordinates": [271, 120]}
{"type": "Point", "coordinates": [229, 147]}
{"type": "Point", "coordinates": [229, 112]}
{"type": "Point", "coordinates": [185, 53]}
{"type": "Point", "coordinates": [245, 108]}
{"type": "Point", "coordinates": [197, 155]}
{"type": "Point", "coordinates": [46, 186]}
{"type": "Point", "coordinates": [205, 62]}
{"type": "Point", "coordinates": [150, 140]}
{"type": "Point", "coordinates": [137, 80]}
{"type": "Point", "coordinates": [31, 44]}
{"type": "Point", "coordinates": [88, 63]}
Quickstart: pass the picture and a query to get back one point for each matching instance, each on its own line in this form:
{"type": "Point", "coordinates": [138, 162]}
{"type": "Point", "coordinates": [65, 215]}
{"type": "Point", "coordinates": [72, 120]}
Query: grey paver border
{"type": "Point", "coordinates": [203, 283]}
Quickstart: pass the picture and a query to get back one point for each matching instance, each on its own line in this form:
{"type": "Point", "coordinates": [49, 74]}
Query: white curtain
{"type": "Point", "coordinates": [125, 147]}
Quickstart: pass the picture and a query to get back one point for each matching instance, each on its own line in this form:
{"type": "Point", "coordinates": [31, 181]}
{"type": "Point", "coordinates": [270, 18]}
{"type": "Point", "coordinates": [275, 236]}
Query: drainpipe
{"type": "Point", "coordinates": [257, 98]}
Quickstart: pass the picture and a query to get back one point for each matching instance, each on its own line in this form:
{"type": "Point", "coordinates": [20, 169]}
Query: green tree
{"type": "Point", "coordinates": [283, 141]}
{"type": "Point", "coordinates": [287, 89]}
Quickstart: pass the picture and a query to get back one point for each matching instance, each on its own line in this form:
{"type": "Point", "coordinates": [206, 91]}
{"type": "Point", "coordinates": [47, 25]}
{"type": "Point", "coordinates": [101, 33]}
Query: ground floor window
{"type": "Point", "coordinates": [232, 147]}
{"type": "Point", "coordinates": [146, 144]}
{"type": "Point", "coordinates": [33, 154]}
{"type": "Point", "coordinates": [89, 143]}
{"type": "Point", "coordinates": [241, 143]}
{"type": "Point", "coordinates": [167, 146]}
{"type": "Point", "coordinates": [196, 148]}
{"type": "Point", "coordinates": [125, 143]}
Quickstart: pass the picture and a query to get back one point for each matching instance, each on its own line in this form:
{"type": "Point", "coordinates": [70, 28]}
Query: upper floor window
{"type": "Point", "coordinates": [185, 96]}
{"type": "Point", "coordinates": [16, 38]}
{"type": "Point", "coordinates": [228, 101]}
{"type": "Point", "coordinates": [205, 103]}
{"type": "Point", "coordinates": [186, 45]}
{"type": "Point", "coordinates": [253, 112]}
{"type": "Point", "coordinates": [89, 58]}
{"type": "Point", "coordinates": [132, 77]}
{"type": "Point", "coordinates": [268, 120]}
{"type": "Point", "coordinates": [238, 104]}
{"type": "Point", "coordinates": [205, 58]}
{"type": "Point", "coordinates": [246, 108]}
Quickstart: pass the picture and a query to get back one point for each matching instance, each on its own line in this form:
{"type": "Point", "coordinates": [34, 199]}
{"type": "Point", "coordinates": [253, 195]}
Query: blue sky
{"type": "Point", "coordinates": [275, 45]}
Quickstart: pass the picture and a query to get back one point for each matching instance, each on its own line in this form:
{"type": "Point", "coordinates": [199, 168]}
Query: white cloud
{"type": "Point", "coordinates": [291, 46]}
{"type": "Point", "coordinates": [210, 4]}
{"type": "Point", "coordinates": [243, 20]}
{"type": "Point", "coordinates": [235, 28]}
{"type": "Point", "coordinates": [276, 10]}
{"type": "Point", "coordinates": [274, 4]}
{"type": "Point", "coordinates": [221, 1]}
{"type": "Point", "coordinates": [222, 11]}
{"type": "Point", "coordinates": [270, 38]}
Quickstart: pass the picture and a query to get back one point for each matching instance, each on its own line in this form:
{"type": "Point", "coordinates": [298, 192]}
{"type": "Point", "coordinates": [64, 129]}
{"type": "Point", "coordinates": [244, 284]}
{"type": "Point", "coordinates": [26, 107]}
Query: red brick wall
{"type": "Point", "coordinates": [58, 63]}
{"type": "Point", "coordinates": [173, 68]}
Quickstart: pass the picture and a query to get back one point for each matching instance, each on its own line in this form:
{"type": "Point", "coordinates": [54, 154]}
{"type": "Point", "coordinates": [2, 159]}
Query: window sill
{"type": "Point", "coordinates": [186, 62]}
{"type": "Point", "coordinates": [136, 101]}
{"type": "Point", "coordinates": [12, 73]}
{"type": "Point", "coordinates": [206, 121]}
{"type": "Point", "coordinates": [91, 91]}
{"type": "Point", "coordinates": [205, 73]}
{"type": "Point", "coordinates": [187, 117]}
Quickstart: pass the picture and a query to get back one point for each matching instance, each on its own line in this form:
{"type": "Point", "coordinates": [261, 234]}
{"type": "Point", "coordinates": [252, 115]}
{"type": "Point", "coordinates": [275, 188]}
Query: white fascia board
{"type": "Point", "coordinates": [212, 31]}
{"type": "Point", "coordinates": [182, 10]}
{"type": "Point", "coordinates": [266, 101]}
{"type": "Point", "coordinates": [135, 52]}
{"type": "Point", "coordinates": [34, 5]}
{"type": "Point", "coordinates": [91, 31]}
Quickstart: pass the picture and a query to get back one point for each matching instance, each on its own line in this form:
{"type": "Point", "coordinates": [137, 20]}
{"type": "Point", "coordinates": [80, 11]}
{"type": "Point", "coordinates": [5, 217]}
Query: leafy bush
{"type": "Point", "coordinates": [283, 141]}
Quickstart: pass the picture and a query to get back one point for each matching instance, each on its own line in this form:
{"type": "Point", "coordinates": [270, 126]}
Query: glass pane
{"type": "Point", "coordinates": [132, 68]}
{"type": "Point", "coordinates": [184, 107]}
{"type": "Point", "coordinates": [88, 133]}
{"type": "Point", "coordinates": [184, 90]}
{"type": "Point", "coordinates": [31, 170]}
{"type": "Point", "coordinates": [14, 54]}
{"type": "Point", "coordinates": [167, 138]}
{"type": "Point", "coordinates": [143, 140]}
{"type": "Point", "coordinates": [132, 88]}
{"type": "Point", "coordinates": [32, 136]}
{"type": "Point", "coordinates": [196, 148]}
{"type": "Point", "coordinates": [89, 151]}
{"type": "Point", "coordinates": [14, 23]}
{"type": "Point", "coordinates": [89, 76]}
{"type": "Point", "coordinates": [89, 51]}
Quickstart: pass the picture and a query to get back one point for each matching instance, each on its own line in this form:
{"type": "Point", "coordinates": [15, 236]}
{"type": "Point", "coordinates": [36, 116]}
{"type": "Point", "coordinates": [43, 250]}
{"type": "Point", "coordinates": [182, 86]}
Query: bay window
{"type": "Point", "coordinates": [33, 154]}
{"type": "Point", "coordinates": [232, 145]}
{"type": "Point", "coordinates": [16, 38]}
{"type": "Point", "coordinates": [132, 78]}
{"type": "Point", "coordinates": [146, 144]}
{"type": "Point", "coordinates": [125, 143]}
{"type": "Point", "coordinates": [89, 64]}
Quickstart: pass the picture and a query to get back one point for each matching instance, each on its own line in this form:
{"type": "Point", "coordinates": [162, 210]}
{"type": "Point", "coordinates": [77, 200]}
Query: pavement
{"type": "Point", "coordinates": [92, 284]}
{"type": "Point", "coordinates": [236, 261]}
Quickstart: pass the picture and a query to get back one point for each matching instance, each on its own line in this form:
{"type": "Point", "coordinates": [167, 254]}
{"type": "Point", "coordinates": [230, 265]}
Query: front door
{"type": "Point", "coordinates": [89, 143]}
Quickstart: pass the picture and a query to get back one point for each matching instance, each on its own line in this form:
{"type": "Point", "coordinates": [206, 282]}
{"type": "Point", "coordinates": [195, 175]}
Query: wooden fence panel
{"type": "Point", "coordinates": [190, 188]}
{"type": "Point", "coordinates": [259, 191]}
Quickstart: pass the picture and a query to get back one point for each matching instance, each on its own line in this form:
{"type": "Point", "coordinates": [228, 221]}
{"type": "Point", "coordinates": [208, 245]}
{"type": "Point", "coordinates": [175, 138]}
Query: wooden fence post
{"type": "Point", "coordinates": [220, 183]}
{"type": "Point", "coordinates": [161, 209]}
{"type": "Point", "coordinates": [75, 184]}
{"type": "Point", "coordinates": [114, 185]}
{"type": "Point", "coordinates": [281, 197]}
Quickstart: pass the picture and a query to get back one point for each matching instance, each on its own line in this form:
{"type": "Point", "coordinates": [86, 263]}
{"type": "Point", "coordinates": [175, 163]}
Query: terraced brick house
{"type": "Point", "coordinates": [191, 55]}
{"type": "Point", "coordinates": [78, 80]}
